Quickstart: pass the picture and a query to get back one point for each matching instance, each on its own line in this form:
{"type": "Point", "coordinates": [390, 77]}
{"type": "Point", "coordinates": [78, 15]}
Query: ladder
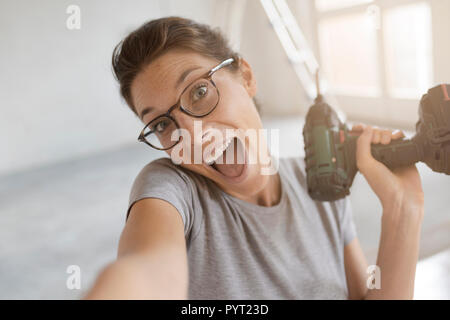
{"type": "Point", "coordinates": [298, 50]}
{"type": "Point", "coordinates": [294, 43]}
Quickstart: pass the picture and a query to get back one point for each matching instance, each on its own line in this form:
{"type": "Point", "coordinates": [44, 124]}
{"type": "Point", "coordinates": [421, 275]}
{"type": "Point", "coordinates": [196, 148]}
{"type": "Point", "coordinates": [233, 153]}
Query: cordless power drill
{"type": "Point", "coordinates": [330, 149]}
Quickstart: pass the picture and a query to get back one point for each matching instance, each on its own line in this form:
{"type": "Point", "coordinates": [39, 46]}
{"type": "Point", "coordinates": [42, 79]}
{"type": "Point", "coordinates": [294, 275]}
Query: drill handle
{"type": "Point", "coordinates": [398, 153]}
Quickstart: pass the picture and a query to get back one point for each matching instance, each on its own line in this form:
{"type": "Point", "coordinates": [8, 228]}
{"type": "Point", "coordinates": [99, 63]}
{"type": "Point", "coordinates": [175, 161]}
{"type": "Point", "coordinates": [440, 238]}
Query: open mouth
{"type": "Point", "coordinates": [229, 159]}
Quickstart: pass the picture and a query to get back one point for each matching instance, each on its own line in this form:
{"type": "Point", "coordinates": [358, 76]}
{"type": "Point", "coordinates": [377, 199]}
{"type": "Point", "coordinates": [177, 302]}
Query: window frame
{"type": "Point", "coordinates": [383, 110]}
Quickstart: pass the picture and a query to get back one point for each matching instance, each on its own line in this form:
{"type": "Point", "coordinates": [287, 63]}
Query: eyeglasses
{"type": "Point", "coordinates": [197, 100]}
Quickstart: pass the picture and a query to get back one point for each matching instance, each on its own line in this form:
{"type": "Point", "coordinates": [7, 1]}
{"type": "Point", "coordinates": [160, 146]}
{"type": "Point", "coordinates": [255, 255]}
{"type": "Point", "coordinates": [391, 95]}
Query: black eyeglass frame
{"type": "Point", "coordinates": [206, 76]}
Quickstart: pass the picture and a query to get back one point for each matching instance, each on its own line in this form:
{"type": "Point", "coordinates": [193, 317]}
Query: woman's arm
{"type": "Point", "coordinates": [152, 259]}
{"type": "Point", "coordinates": [401, 195]}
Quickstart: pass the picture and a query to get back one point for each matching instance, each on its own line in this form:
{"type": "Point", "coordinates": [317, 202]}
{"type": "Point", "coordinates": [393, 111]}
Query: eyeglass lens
{"type": "Point", "coordinates": [198, 100]}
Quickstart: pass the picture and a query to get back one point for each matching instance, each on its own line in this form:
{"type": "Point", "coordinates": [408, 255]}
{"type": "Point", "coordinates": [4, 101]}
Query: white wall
{"type": "Point", "coordinates": [441, 45]}
{"type": "Point", "coordinates": [58, 97]}
{"type": "Point", "coordinates": [279, 89]}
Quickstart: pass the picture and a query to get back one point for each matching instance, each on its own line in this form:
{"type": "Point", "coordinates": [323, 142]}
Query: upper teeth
{"type": "Point", "coordinates": [217, 152]}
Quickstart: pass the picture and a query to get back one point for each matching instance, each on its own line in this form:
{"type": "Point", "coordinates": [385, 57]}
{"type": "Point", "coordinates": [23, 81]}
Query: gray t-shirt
{"type": "Point", "coordinates": [240, 250]}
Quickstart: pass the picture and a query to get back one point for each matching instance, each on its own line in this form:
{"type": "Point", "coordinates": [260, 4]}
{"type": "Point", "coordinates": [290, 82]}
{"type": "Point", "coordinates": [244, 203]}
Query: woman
{"type": "Point", "coordinates": [211, 230]}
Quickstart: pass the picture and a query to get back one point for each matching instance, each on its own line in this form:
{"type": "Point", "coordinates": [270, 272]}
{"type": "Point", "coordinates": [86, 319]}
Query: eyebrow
{"type": "Point", "coordinates": [177, 84]}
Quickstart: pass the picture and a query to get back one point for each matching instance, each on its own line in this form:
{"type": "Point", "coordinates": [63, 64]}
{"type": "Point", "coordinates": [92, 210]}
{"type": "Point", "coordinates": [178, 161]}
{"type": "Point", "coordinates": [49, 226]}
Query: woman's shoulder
{"type": "Point", "coordinates": [165, 164]}
{"type": "Point", "coordinates": [162, 179]}
{"type": "Point", "coordinates": [164, 175]}
{"type": "Point", "coordinates": [293, 167]}
{"type": "Point", "coordinates": [165, 171]}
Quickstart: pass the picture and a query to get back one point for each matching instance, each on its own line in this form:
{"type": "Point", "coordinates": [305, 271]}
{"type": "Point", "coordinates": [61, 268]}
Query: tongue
{"type": "Point", "coordinates": [232, 169]}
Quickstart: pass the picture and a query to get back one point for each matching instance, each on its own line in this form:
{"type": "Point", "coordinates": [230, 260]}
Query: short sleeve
{"type": "Point", "coordinates": [161, 179]}
{"type": "Point", "coordinates": [347, 224]}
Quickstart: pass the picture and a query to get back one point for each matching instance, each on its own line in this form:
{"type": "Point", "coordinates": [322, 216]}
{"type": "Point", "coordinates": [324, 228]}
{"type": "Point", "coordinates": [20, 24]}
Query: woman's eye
{"type": "Point", "coordinates": [200, 92]}
{"type": "Point", "coordinates": [160, 126]}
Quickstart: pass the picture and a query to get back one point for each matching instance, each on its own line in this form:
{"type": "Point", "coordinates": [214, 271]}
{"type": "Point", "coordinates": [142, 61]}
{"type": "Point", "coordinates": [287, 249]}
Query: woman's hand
{"type": "Point", "coordinates": [401, 195]}
{"type": "Point", "coordinates": [399, 190]}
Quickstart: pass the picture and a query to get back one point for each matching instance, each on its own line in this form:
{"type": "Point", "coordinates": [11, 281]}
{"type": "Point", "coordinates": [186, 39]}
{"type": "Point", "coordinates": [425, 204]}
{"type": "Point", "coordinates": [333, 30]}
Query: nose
{"type": "Point", "coordinates": [195, 127]}
{"type": "Point", "coordinates": [200, 130]}
{"type": "Point", "coordinates": [183, 120]}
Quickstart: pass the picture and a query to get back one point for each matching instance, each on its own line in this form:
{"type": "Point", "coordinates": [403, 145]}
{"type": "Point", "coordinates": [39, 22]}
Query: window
{"type": "Point", "coordinates": [376, 56]}
{"type": "Point", "coordinates": [407, 43]}
{"type": "Point", "coordinates": [348, 52]}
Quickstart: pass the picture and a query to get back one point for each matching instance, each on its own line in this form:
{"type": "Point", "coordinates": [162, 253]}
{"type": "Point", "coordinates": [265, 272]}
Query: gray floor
{"type": "Point", "coordinates": [66, 214]}
{"type": "Point", "coordinates": [72, 213]}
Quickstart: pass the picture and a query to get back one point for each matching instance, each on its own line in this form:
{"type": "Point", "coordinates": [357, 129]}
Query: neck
{"type": "Point", "coordinates": [270, 194]}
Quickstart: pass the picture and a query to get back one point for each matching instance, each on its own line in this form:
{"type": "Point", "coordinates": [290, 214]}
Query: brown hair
{"type": "Point", "coordinates": [156, 37]}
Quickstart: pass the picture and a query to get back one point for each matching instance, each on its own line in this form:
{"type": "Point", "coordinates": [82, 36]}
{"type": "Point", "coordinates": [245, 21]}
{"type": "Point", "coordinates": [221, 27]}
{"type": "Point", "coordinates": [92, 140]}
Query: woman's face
{"type": "Point", "coordinates": [155, 86]}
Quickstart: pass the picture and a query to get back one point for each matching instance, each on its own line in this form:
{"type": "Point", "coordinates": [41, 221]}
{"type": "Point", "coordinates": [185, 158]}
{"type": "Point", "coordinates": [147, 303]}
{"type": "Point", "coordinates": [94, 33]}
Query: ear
{"type": "Point", "coordinates": [248, 78]}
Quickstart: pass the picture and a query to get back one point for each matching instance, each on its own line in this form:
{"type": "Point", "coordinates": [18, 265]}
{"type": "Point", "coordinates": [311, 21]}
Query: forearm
{"type": "Point", "coordinates": [139, 277]}
{"type": "Point", "coordinates": [398, 253]}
